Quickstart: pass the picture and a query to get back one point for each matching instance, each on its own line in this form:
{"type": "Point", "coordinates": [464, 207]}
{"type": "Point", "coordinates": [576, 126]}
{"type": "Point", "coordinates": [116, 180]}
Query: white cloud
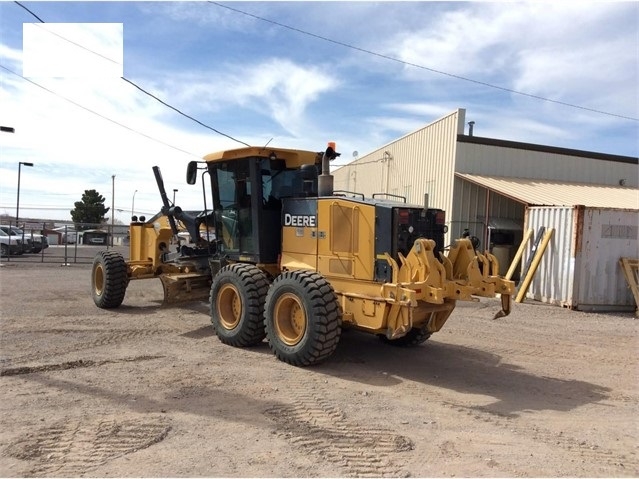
{"type": "Point", "coordinates": [277, 89]}
{"type": "Point", "coordinates": [284, 87]}
{"type": "Point", "coordinates": [556, 50]}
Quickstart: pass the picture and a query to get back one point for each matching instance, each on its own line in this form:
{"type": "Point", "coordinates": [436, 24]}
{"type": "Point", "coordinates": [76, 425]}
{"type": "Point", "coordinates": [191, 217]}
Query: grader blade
{"type": "Point", "coordinates": [185, 287]}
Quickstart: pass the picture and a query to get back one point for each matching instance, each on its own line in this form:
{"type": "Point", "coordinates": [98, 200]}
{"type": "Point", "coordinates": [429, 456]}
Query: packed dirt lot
{"type": "Point", "coordinates": [149, 391]}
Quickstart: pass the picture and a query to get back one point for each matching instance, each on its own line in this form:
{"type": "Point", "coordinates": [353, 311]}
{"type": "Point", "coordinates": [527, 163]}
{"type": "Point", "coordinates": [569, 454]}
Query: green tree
{"type": "Point", "coordinates": [89, 211]}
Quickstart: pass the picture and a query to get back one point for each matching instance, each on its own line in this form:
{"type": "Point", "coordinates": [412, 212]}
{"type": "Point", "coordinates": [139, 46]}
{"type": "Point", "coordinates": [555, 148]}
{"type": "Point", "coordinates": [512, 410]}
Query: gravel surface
{"type": "Point", "coordinates": [147, 390]}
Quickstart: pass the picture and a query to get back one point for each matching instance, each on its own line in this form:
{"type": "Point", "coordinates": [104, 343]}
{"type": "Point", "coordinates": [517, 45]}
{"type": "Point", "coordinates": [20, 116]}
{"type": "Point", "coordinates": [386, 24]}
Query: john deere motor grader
{"type": "Point", "coordinates": [295, 262]}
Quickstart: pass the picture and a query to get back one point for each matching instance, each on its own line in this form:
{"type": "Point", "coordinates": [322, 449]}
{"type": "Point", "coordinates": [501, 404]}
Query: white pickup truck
{"type": "Point", "coordinates": [31, 242]}
{"type": "Point", "coordinates": [9, 245]}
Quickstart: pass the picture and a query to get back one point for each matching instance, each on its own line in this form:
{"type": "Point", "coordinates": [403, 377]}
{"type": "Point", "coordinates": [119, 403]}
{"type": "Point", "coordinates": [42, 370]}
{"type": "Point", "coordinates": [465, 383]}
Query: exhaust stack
{"type": "Point", "coordinates": [325, 180]}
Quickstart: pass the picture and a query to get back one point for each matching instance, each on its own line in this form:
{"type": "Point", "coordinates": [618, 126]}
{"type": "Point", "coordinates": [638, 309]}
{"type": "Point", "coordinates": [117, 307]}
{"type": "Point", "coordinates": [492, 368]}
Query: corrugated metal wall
{"type": "Point", "coordinates": [580, 269]}
{"type": "Point", "coordinates": [553, 281]}
{"type": "Point", "coordinates": [421, 162]}
{"type": "Point", "coordinates": [510, 162]}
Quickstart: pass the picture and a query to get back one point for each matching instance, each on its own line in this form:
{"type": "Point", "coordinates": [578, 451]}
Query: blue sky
{"type": "Point", "coordinates": [381, 70]}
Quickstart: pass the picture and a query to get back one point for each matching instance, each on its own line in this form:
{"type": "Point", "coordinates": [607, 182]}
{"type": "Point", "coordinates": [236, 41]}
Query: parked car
{"type": "Point", "coordinates": [68, 234]}
{"type": "Point", "coordinates": [9, 245]}
{"type": "Point", "coordinates": [93, 237]}
{"type": "Point", "coordinates": [31, 242]}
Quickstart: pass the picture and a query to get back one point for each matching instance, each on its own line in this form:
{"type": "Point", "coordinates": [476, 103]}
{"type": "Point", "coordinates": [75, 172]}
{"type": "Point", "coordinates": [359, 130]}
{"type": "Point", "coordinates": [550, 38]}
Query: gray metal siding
{"type": "Point", "coordinates": [510, 162]}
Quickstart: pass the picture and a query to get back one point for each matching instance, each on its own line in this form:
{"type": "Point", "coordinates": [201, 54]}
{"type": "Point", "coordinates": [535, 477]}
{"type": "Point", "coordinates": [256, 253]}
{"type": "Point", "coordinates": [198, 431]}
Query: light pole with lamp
{"type": "Point", "coordinates": [25, 163]}
{"type": "Point", "coordinates": [133, 203]}
{"type": "Point", "coordinates": [174, 191]}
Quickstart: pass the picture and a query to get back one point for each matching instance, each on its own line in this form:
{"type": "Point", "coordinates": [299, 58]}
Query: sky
{"type": "Point", "coordinates": [291, 75]}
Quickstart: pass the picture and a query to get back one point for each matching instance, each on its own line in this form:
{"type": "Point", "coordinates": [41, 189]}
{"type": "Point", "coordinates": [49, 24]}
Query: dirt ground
{"type": "Point", "coordinates": [149, 391]}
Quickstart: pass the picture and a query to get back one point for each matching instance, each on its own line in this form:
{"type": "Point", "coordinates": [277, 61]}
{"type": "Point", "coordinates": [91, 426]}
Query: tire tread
{"type": "Point", "coordinates": [255, 285]}
{"type": "Point", "coordinates": [115, 279]}
{"type": "Point", "coordinates": [324, 318]}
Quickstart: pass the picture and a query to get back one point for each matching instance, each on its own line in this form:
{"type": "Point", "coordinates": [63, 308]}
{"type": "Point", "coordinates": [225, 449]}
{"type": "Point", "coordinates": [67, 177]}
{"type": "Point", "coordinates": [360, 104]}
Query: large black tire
{"type": "Point", "coordinates": [108, 279]}
{"type": "Point", "coordinates": [4, 250]}
{"type": "Point", "coordinates": [414, 337]}
{"type": "Point", "coordinates": [237, 304]}
{"type": "Point", "coordinates": [302, 318]}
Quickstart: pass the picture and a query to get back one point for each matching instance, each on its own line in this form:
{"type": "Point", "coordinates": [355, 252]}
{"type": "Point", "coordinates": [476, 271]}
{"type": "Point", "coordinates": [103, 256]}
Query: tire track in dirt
{"type": "Point", "coordinates": [562, 349]}
{"type": "Point", "coordinates": [318, 427]}
{"type": "Point", "coordinates": [71, 448]}
{"type": "Point", "coordinates": [104, 339]}
{"type": "Point", "coordinates": [562, 352]}
{"type": "Point", "coordinates": [588, 450]}
{"type": "Point", "coordinates": [80, 363]}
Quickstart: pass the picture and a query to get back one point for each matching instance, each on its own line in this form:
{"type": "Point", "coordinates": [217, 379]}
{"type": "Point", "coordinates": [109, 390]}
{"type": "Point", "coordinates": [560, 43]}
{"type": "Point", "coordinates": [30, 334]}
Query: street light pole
{"type": "Point", "coordinates": [112, 207]}
{"type": "Point", "coordinates": [18, 201]}
{"type": "Point", "coordinates": [133, 203]}
{"type": "Point", "coordinates": [174, 191]}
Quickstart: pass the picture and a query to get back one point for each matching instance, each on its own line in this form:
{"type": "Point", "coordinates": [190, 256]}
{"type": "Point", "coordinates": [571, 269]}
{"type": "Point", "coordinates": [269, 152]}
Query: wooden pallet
{"type": "Point", "coordinates": [630, 268]}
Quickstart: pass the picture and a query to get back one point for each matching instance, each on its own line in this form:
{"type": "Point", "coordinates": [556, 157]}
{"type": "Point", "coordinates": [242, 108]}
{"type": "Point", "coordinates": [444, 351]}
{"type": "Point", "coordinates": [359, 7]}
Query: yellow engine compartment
{"type": "Point", "coordinates": [423, 290]}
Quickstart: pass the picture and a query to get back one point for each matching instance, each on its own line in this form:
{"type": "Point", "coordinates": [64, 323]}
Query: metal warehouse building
{"type": "Point", "coordinates": [501, 189]}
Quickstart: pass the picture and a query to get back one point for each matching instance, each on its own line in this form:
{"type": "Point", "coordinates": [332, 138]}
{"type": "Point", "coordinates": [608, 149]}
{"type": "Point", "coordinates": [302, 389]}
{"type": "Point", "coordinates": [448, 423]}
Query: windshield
{"type": "Point", "coordinates": [12, 230]}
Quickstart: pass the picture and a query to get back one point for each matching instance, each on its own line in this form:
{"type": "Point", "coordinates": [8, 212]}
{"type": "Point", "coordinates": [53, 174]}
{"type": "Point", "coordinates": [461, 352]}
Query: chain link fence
{"type": "Point", "coordinates": [63, 244]}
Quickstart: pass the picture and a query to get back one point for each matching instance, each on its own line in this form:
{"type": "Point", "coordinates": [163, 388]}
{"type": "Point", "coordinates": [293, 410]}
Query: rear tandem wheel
{"type": "Point", "coordinates": [108, 279]}
{"type": "Point", "coordinates": [302, 318]}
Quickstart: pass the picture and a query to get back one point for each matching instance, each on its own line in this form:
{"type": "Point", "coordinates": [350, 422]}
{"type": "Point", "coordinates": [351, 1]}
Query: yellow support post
{"type": "Point", "coordinates": [519, 254]}
{"type": "Point", "coordinates": [630, 268]}
{"type": "Point", "coordinates": [523, 288]}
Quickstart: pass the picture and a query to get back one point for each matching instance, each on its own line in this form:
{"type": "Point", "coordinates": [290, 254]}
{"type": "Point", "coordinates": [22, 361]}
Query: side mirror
{"type": "Point", "coordinates": [191, 173]}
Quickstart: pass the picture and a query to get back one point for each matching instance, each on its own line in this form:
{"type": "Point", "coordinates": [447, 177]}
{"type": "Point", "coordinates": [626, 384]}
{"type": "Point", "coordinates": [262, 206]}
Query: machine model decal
{"type": "Point", "coordinates": [300, 220]}
{"type": "Point", "coordinates": [300, 213]}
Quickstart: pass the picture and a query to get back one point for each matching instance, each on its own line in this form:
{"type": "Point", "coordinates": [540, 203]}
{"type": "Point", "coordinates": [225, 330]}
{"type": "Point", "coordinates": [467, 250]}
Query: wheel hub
{"type": "Point", "coordinates": [290, 319]}
{"type": "Point", "coordinates": [229, 306]}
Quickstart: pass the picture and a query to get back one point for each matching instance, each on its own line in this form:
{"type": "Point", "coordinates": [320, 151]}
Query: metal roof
{"type": "Point", "coordinates": [534, 192]}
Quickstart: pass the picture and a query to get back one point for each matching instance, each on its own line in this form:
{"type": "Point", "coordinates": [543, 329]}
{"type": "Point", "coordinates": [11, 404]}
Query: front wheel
{"type": "Point", "coordinates": [302, 318]}
{"type": "Point", "coordinates": [237, 304]}
{"type": "Point", "coordinates": [108, 279]}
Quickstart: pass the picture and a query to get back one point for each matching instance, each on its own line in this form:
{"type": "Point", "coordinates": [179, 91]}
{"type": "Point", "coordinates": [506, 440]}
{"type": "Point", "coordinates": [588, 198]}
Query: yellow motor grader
{"type": "Point", "coordinates": [281, 255]}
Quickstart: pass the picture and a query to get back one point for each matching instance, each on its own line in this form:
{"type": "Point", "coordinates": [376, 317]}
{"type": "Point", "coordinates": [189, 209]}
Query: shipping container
{"type": "Point", "coordinates": [580, 268]}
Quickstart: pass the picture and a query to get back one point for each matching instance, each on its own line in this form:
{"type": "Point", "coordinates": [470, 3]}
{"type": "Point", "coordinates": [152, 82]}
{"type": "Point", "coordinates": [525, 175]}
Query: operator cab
{"type": "Point", "coordinates": [247, 195]}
